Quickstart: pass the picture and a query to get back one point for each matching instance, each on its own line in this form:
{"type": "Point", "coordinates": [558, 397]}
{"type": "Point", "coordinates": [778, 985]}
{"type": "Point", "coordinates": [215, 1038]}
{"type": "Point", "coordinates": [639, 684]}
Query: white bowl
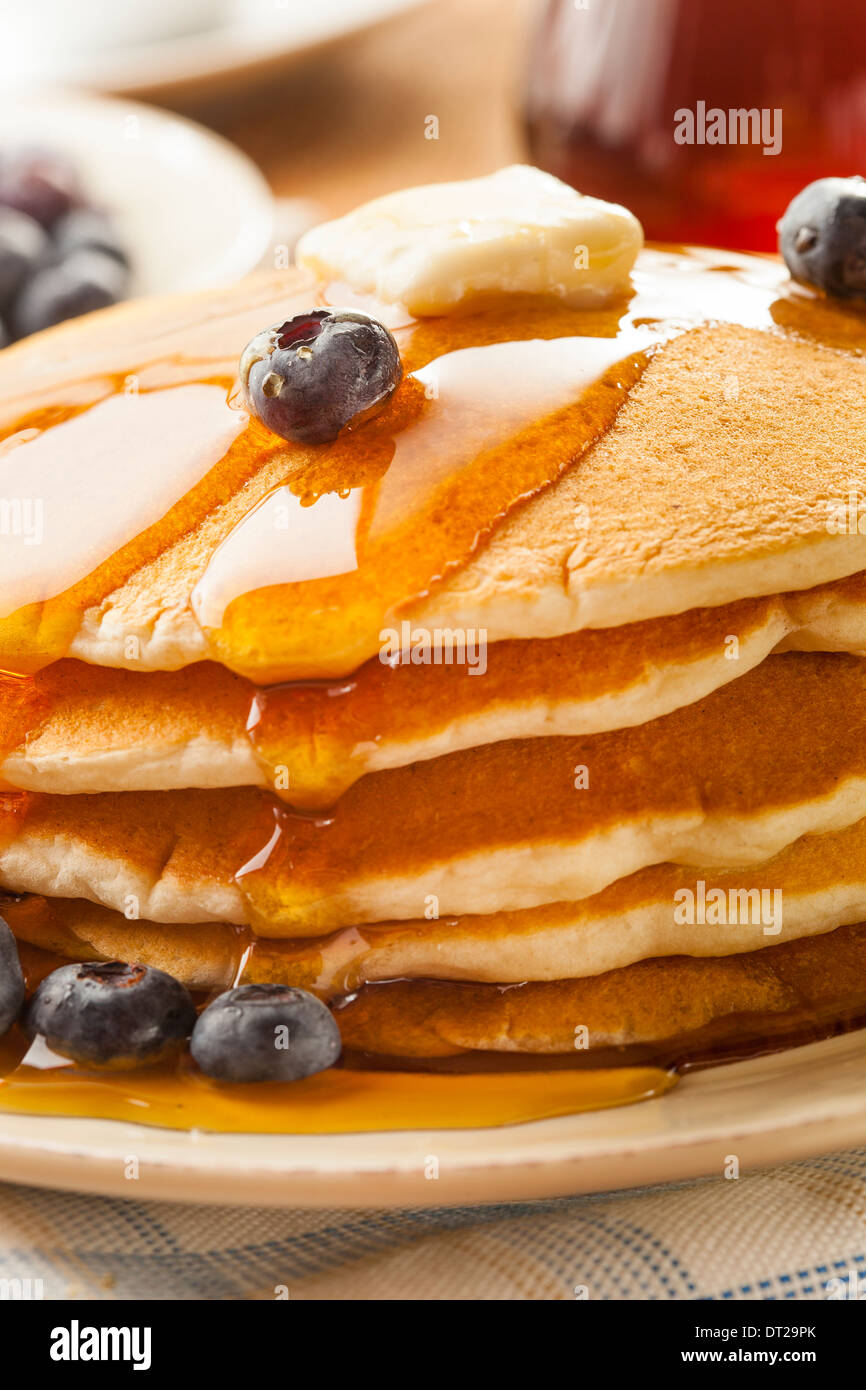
{"type": "Point", "coordinates": [191, 209]}
{"type": "Point", "coordinates": [176, 47]}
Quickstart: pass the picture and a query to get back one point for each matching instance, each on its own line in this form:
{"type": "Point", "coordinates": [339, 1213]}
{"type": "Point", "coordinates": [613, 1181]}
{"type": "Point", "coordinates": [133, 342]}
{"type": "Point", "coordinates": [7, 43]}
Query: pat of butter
{"type": "Point", "coordinates": [518, 231]}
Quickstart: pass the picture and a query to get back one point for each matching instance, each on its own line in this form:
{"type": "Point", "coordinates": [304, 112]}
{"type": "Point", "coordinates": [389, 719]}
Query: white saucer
{"type": "Point", "coordinates": [193, 211]}
{"type": "Point", "coordinates": [160, 47]}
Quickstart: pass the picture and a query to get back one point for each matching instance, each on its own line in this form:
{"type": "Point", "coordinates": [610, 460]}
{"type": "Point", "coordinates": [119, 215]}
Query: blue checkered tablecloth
{"type": "Point", "coordinates": [779, 1234]}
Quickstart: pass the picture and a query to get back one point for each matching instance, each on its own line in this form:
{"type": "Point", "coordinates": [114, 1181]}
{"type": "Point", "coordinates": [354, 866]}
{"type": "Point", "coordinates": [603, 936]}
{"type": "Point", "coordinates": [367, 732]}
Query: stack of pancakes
{"type": "Point", "coordinates": [643, 824]}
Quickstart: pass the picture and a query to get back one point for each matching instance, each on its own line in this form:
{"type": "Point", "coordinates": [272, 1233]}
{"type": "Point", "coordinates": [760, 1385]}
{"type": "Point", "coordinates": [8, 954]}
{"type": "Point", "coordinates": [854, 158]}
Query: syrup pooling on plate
{"type": "Point", "coordinates": [372, 1091]}
{"type": "Point", "coordinates": [176, 1095]}
{"type": "Point", "coordinates": [338, 1101]}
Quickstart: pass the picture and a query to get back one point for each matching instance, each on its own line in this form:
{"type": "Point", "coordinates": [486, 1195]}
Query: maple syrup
{"type": "Point", "coordinates": [341, 1100]}
{"type": "Point", "coordinates": [355, 1097]}
{"type": "Point", "coordinates": [294, 558]}
{"type": "Point", "coordinates": [606, 82]}
{"type": "Point", "coordinates": [372, 1092]}
{"type": "Point", "coordinates": [300, 557]}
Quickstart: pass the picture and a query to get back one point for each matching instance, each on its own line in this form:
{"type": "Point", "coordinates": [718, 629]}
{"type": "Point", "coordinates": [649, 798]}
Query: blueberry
{"type": "Point", "coordinates": [319, 373]}
{"type": "Point", "coordinates": [42, 183]}
{"type": "Point", "coordinates": [107, 1014]}
{"type": "Point", "coordinates": [83, 281]}
{"type": "Point", "coordinates": [265, 1033]}
{"type": "Point", "coordinates": [88, 228]}
{"type": "Point", "coordinates": [22, 245]}
{"type": "Point", "coordinates": [822, 236]}
{"type": "Point", "coordinates": [11, 980]}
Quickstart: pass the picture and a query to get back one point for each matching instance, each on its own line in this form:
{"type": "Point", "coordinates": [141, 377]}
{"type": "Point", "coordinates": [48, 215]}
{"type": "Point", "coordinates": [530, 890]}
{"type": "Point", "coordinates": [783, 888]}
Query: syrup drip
{"type": "Point", "coordinates": [504, 421]}
{"type": "Point", "coordinates": [314, 739]}
{"type": "Point", "coordinates": [23, 707]}
{"type": "Point", "coordinates": [304, 554]}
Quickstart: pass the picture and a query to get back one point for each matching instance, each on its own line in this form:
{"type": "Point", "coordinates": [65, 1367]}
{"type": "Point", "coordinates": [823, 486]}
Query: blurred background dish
{"type": "Point", "coordinates": [345, 99]}
{"type": "Point", "coordinates": [162, 47]}
{"type": "Point", "coordinates": [190, 210]}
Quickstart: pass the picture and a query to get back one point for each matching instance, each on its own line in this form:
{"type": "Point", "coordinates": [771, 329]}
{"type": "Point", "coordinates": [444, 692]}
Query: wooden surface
{"type": "Point", "coordinates": [350, 125]}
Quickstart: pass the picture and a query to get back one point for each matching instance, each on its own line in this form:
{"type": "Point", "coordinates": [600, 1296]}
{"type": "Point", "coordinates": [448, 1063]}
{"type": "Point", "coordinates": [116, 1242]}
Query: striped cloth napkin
{"type": "Point", "coordinates": [794, 1232]}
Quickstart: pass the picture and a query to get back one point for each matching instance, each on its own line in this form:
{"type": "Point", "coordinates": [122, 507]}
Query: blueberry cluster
{"type": "Point", "coordinates": [109, 1014]}
{"type": "Point", "coordinates": [59, 256]}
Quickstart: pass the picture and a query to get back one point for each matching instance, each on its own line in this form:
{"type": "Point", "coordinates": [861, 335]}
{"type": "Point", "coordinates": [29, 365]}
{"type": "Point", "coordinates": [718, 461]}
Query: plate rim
{"type": "Point", "coordinates": [567, 1156]}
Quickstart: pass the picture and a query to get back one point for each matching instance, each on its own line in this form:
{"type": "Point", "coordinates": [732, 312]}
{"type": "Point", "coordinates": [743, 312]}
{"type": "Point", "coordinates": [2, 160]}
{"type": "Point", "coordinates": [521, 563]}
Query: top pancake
{"type": "Point", "coordinates": [698, 470]}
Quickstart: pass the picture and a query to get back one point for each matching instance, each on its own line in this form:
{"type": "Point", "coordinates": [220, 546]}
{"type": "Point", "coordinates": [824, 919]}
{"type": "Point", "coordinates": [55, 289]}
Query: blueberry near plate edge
{"type": "Point", "coordinates": [119, 1016]}
{"type": "Point", "coordinates": [110, 1013]}
{"type": "Point", "coordinates": [265, 1032]}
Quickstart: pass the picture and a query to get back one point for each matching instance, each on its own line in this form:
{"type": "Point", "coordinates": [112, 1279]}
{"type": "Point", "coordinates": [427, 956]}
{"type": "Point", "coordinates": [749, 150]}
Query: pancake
{"type": "Point", "coordinates": [812, 887]}
{"type": "Point", "coordinates": [204, 956]}
{"type": "Point", "coordinates": [699, 1005]}
{"type": "Point", "coordinates": [728, 781]}
{"type": "Point", "coordinates": [524, 716]}
{"type": "Point", "coordinates": [577, 469]}
{"type": "Point", "coordinates": [75, 728]}
{"type": "Point", "coordinates": [695, 1005]}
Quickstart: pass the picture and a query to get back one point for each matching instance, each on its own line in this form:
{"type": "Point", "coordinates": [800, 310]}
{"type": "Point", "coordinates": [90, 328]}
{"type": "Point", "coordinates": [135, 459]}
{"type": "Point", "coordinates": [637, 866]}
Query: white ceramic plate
{"type": "Point", "coordinates": [193, 211]}
{"type": "Point", "coordinates": [807, 1101]}
{"type": "Point", "coordinates": [171, 46]}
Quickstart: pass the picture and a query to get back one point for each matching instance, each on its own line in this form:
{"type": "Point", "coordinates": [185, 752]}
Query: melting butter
{"type": "Point", "coordinates": [518, 231]}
